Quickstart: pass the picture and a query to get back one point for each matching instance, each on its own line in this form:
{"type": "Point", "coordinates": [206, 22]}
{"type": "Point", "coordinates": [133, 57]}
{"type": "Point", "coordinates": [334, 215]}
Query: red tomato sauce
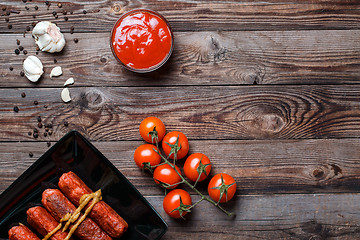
{"type": "Point", "coordinates": [141, 40]}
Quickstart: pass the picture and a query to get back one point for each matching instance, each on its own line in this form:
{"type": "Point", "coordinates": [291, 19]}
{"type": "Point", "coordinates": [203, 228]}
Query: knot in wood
{"type": "Point", "coordinates": [117, 9]}
{"type": "Point", "coordinates": [262, 120]}
{"type": "Point", "coordinates": [92, 98]}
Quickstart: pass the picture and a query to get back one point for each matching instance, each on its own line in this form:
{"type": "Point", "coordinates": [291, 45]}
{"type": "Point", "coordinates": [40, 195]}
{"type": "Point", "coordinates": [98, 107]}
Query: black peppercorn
{"type": "Point", "coordinates": [27, 28]}
{"type": "Point", "coordinates": [35, 135]}
{"type": "Point", "coordinates": [66, 123]}
{"type": "Point", "coordinates": [36, 7]}
{"type": "Point", "coordinates": [31, 154]}
{"type": "Point", "coordinates": [66, 18]}
{"type": "Point", "coordinates": [55, 61]}
{"type": "Point", "coordinates": [35, 130]}
{"type": "Point", "coordinates": [84, 11]}
{"type": "Point", "coordinates": [17, 51]}
{"type": "Point", "coordinates": [17, 41]}
{"type": "Point", "coordinates": [26, 8]}
{"type": "Point", "coordinates": [36, 102]}
{"type": "Point", "coordinates": [54, 13]}
{"type": "Point", "coordinates": [9, 26]}
{"type": "Point", "coordinates": [59, 5]}
{"type": "Point", "coordinates": [48, 144]}
{"type": "Point", "coordinates": [23, 94]}
{"type": "Point", "coordinates": [11, 68]}
{"type": "Point", "coordinates": [16, 109]}
{"type": "Point", "coordinates": [45, 134]}
{"type": "Point", "coordinates": [40, 125]}
{"type": "Point", "coordinates": [21, 48]}
{"type": "Point", "coordinates": [29, 133]}
{"type": "Point", "coordinates": [7, 19]}
{"type": "Point", "coordinates": [39, 118]}
{"type": "Point", "coordinates": [25, 52]}
{"type": "Point", "coordinates": [22, 74]}
{"type": "Point", "coordinates": [76, 40]}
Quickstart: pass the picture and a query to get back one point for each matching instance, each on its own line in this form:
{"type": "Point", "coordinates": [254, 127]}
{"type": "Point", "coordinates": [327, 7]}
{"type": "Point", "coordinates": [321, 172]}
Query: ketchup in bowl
{"type": "Point", "coordinates": [142, 40]}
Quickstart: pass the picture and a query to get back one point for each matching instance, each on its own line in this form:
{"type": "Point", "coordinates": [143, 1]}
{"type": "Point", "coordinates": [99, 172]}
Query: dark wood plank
{"type": "Point", "coordinates": [193, 15]}
{"type": "Point", "coordinates": [205, 58]}
{"type": "Point", "coordinates": [250, 112]}
{"type": "Point", "coordinates": [266, 166]}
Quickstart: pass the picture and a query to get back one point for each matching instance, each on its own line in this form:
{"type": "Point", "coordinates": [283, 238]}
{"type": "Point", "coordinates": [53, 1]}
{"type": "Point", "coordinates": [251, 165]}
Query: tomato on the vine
{"type": "Point", "coordinates": [148, 128]}
{"type": "Point", "coordinates": [145, 155]}
{"type": "Point", "coordinates": [222, 187]}
{"type": "Point", "coordinates": [196, 164]}
{"type": "Point", "coordinates": [169, 144]}
{"type": "Point", "coordinates": [166, 176]}
{"type": "Point", "coordinates": [173, 206]}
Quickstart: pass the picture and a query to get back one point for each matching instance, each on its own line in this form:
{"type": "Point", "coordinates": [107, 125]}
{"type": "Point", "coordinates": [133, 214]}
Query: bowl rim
{"type": "Point", "coordinates": [152, 68]}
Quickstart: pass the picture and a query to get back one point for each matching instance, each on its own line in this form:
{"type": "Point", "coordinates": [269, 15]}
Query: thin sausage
{"type": "Point", "coordinates": [22, 232]}
{"type": "Point", "coordinates": [106, 217]}
{"type": "Point", "coordinates": [43, 222]}
{"type": "Point", "coordinates": [58, 206]}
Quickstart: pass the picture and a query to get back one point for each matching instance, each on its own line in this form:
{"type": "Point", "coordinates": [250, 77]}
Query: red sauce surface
{"type": "Point", "coordinates": [141, 40]}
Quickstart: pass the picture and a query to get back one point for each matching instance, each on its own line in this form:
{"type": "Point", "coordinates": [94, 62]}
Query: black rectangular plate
{"type": "Point", "coordinates": [74, 153]}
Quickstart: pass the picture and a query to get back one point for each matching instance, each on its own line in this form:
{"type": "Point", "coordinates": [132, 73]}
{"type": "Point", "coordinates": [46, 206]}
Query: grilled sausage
{"type": "Point", "coordinates": [22, 232]}
{"type": "Point", "coordinates": [43, 223]}
{"type": "Point", "coordinates": [106, 217]}
{"type": "Point", "coordinates": [58, 206]}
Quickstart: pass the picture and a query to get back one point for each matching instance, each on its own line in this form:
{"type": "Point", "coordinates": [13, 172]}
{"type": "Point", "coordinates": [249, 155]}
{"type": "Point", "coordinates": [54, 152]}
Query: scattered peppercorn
{"type": "Point", "coordinates": [36, 135]}
{"type": "Point", "coordinates": [29, 133]}
{"type": "Point", "coordinates": [66, 18]}
{"type": "Point", "coordinates": [25, 52]}
{"type": "Point", "coordinates": [36, 102]}
{"type": "Point", "coordinates": [54, 13]}
{"type": "Point", "coordinates": [23, 94]}
{"type": "Point", "coordinates": [50, 132]}
{"type": "Point", "coordinates": [11, 68]}
{"type": "Point", "coordinates": [37, 53]}
{"type": "Point", "coordinates": [33, 24]}
{"type": "Point", "coordinates": [45, 106]}
{"type": "Point", "coordinates": [7, 19]}
{"type": "Point", "coordinates": [17, 41]}
{"type": "Point", "coordinates": [7, 13]}
{"type": "Point", "coordinates": [55, 61]}
{"type": "Point", "coordinates": [39, 118]}
{"type": "Point", "coordinates": [3, 8]}
{"type": "Point", "coordinates": [76, 40]}
{"type": "Point", "coordinates": [35, 130]}
{"type": "Point", "coordinates": [9, 26]}
{"type": "Point", "coordinates": [21, 48]}
{"type": "Point", "coordinates": [16, 109]}
{"type": "Point", "coordinates": [84, 11]}
{"type": "Point", "coordinates": [31, 154]}
{"type": "Point", "coordinates": [17, 51]}
{"type": "Point", "coordinates": [28, 28]}
{"type": "Point", "coordinates": [48, 144]}
{"type": "Point", "coordinates": [46, 129]}
{"type": "Point", "coordinates": [64, 12]}
{"type": "Point", "coordinates": [66, 123]}
{"type": "Point", "coordinates": [37, 49]}
{"type": "Point", "coordinates": [36, 7]}
{"type": "Point", "coordinates": [26, 8]}
{"type": "Point", "coordinates": [59, 5]}
{"type": "Point", "coordinates": [40, 125]}
{"type": "Point", "coordinates": [22, 73]}
{"type": "Point", "coordinates": [45, 134]}
{"type": "Point", "coordinates": [24, 1]}
{"type": "Point", "coordinates": [34, 16]}
{"type": "Point", "coordinates": [56, 16]}
{"type": "Point", "coordinates": [71, 12]}
{"type": "Point", "coordinates": [46, 3]}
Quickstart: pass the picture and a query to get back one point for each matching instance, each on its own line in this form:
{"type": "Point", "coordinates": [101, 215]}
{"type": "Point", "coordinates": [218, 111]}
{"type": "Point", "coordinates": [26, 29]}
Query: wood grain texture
{"type": "Point", "coordinates": [251, 112]}
{"type": "Point", "coordinates": [205, 58]}
{"type": "Point", "coordinates": [193, 15]}
{"type": "Point", "coordinates": [258, 166]}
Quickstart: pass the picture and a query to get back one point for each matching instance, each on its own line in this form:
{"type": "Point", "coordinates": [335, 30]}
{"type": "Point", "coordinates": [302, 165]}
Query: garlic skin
{"type": "Point", "coordinates": [55, 72]}
{"type": "Point", "coordinates": [48, 37]}
{"type": "Point", "coordinates": [33, 68]}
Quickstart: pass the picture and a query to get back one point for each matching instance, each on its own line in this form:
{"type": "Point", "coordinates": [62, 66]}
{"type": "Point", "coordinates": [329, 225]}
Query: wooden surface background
{"type": "Point", "coordinates": [268, 90]}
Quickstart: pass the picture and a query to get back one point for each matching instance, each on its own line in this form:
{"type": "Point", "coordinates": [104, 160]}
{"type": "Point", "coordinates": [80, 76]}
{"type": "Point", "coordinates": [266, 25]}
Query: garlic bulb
{"type": "Point", "coordinates": [48, 37]}
{"type": "Point", "coordinates": [55, 72]}
{"type": "Point", "coordinates": [33, 68]}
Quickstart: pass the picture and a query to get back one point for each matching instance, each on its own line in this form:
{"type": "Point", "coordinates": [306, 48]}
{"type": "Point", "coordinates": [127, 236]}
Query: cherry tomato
{"type": "Point", "coordinates": [166, 175]}
{"type": "Point", "coordinates": [171, 138]}
{"type": "Point", "coordinates": [172, 201]}
{"type": "Point", "coordinates": [146, 154]}
{"type": "Point", "coordinates": [148, 125]}
{"type": "Point", "coordinates": [192, 168]}
{"type": "Point", "coordinates": [222, 183]}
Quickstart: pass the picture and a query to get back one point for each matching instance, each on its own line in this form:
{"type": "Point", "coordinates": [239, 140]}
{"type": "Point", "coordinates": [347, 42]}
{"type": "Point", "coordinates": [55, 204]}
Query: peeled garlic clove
{"type": "Point", "coordinates": [70, 81]}
{"type": "Point", "coordinates": [33, 68]}
{"type": "Point", "coordinates": [65, 95]}
{"type": "Point", "coordinates": [48, 37]}
{"type": "Point", "coordinates": [55, 72]}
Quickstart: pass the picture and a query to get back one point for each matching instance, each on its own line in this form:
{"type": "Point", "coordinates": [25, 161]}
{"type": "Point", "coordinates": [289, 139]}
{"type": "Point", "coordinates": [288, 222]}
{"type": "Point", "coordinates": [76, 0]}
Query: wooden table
{"type": "Point", "coordinates": [268, 90]}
